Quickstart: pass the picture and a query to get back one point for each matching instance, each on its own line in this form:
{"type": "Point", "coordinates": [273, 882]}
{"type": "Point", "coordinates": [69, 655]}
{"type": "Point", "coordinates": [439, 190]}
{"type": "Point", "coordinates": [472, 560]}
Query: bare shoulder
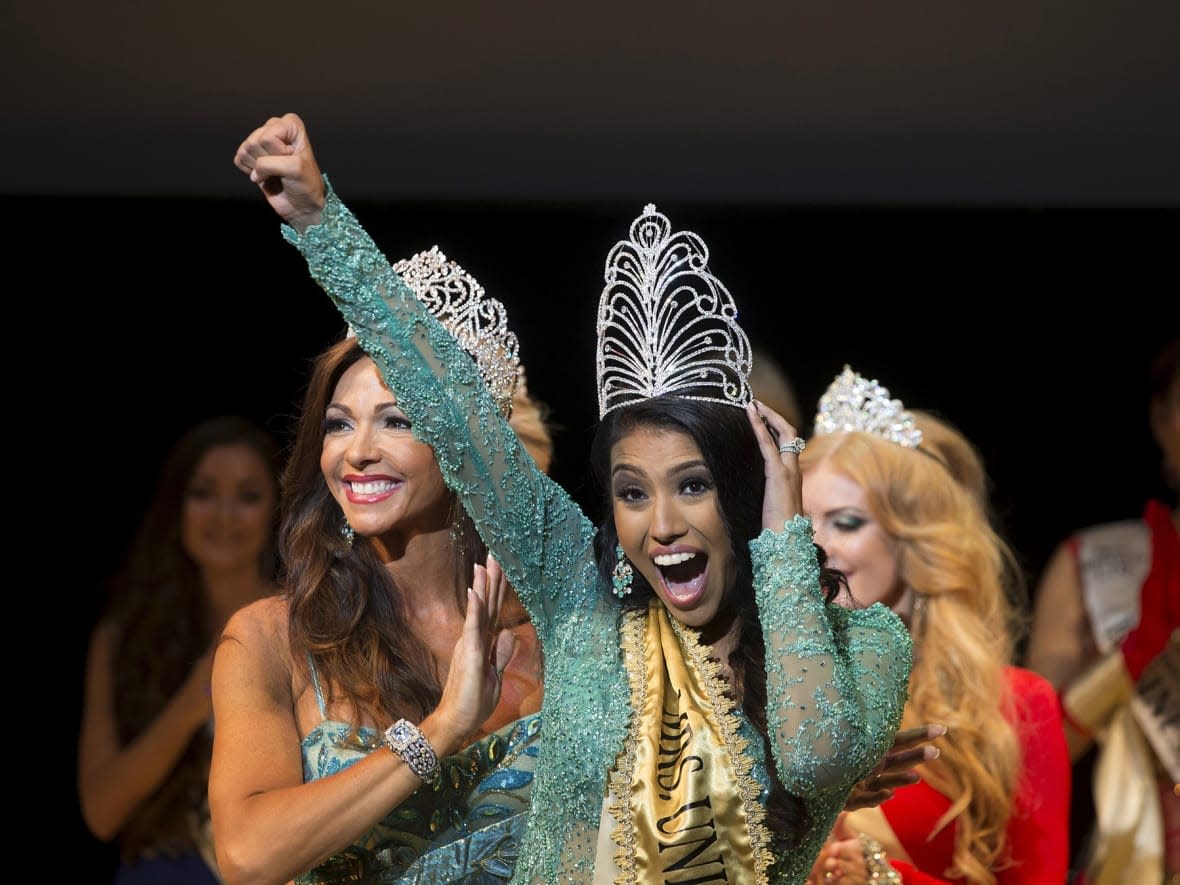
{"type": "Point", "coordinates": [259, 630]}
{"type": "Point", "coordinates": [254, 651]}
{"type": "Point", "coordinates": [263, 619]}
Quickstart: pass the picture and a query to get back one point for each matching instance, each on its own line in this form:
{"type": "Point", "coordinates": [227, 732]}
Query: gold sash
{"type": "Point", "coordinates": [683, 797]}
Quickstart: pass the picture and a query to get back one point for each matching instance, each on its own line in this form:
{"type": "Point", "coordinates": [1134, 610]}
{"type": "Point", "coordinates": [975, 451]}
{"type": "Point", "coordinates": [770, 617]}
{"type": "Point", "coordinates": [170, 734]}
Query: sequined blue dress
{"type": "Point", "coordinates": [464, 827]}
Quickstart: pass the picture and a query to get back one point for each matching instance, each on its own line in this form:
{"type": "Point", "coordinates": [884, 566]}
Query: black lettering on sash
{"type": "Point", "coordinates": [675, 736]}
{"type": "Point", "coordinates": [691, 860]}
{"type": "Point", "coordinates": [691, 829]}
{"type": "Point", "coordinates": [683, 810]}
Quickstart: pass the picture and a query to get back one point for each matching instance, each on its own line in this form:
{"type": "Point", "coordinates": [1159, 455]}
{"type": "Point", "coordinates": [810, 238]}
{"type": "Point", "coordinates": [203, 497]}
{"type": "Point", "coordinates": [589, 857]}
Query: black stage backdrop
{"type": "Point", "coordinates": [1028, 327]}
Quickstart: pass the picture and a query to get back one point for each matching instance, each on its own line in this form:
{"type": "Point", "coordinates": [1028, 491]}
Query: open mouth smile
{"type": "Point", "coordinates": [683, 576]}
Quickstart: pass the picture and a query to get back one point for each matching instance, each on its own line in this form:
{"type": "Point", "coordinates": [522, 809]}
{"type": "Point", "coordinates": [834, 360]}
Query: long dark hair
{"type": "Point", "coordinates": [158, 604]}
{"type": "Point", "coordinates": [345, 608]}
{"type": "Point", "coordinates": [723, 435]}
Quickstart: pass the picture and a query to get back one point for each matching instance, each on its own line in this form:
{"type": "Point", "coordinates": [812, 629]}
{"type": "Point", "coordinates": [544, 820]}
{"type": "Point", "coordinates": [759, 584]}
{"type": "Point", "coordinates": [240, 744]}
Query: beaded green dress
{"type": "Point", "coordinates": [836, 679]}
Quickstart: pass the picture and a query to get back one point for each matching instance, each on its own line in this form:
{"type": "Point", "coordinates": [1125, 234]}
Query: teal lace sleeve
{"type": "Point", "coordinates": [836, 684]}
{"type": "Point", "coordinates": [836, 679]}
{"type": "Point", "coordinates": [529, 523]}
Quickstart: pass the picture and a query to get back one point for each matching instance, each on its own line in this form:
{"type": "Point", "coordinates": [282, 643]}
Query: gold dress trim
{"type": "Point", "coordinates": [743, 764]}
{"type": "Point", "coordinates": [631, 640]}
{"type": "Point", "coordinates": [720, 716]}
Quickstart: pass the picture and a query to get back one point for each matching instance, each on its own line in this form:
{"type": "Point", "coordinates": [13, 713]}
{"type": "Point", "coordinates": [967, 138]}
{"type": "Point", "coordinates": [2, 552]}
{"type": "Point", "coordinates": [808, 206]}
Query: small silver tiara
{"type": "Point", "coordinates": [666, 325]}
{"type": "Point", "coordinates": [853, 402]}
{"type": "Point", "coordinates": [478, 323]}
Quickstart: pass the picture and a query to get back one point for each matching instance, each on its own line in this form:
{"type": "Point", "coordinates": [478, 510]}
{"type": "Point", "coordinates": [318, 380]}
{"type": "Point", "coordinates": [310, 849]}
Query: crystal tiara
{"type": "Point", "coordinates": [478, 323]}
{"type": "Point", "coordinates": [853, 402]}
{"type": "Point", "coordinates": [666, 325]}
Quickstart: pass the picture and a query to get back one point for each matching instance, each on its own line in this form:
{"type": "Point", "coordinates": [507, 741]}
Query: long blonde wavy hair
{"type": "Point", "coordinates": [932, 502]}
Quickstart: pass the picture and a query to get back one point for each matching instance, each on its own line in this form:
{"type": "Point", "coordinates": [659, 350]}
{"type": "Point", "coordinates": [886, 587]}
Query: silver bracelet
{"type": "Point", "coordinates": [877, 861]}
{"type": "Point", "coordinates": [407, 740]}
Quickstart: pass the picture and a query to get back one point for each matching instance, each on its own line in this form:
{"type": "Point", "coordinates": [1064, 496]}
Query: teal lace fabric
{"type": "Point", "coordinates": [829, 725]}
{"type": "Point", "coordinates": [836, 682]}
{"type": "Point", "coordinates": [464, 827]}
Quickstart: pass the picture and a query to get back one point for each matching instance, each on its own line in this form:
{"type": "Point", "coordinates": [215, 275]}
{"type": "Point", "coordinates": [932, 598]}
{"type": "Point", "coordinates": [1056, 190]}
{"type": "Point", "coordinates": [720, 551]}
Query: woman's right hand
{"type": "Point", "coordinates": [472, 688]}
{"type": "Point", "coordinates": [278, 158]}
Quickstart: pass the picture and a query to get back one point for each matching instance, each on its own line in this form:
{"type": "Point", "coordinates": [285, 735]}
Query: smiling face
{"type": "Point", "coordinates": [854, 541]}
{"type": "Point", "coordinates": [668, 520]}
{"type": "Point", "coordinates": [386, 482]}
{"type": "Point", "coordinates": [228, 507]}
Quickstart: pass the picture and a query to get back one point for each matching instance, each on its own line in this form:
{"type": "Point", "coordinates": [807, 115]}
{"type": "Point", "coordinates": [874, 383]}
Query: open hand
{"type": "Point", "coordinates": [472, 689]}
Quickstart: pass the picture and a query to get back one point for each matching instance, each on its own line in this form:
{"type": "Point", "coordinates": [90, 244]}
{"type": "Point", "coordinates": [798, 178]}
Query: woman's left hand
{"type": "Point", "coordinates": [783, 499]}
{"type": "Point", "coordinates": [473, 683]}
{"type": "Point", "coordinates": [897, 768]}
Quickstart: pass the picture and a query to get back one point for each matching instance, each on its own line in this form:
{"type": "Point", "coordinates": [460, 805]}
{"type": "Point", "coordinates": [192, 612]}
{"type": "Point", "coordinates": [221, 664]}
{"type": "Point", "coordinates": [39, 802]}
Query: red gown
{"type": "Point", "coordinates": [1038, 831]}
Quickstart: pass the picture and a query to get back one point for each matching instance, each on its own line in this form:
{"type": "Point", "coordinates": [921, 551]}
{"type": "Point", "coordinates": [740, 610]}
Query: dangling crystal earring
{"type": "Point", "coordinates": [620, 578]}
{"type": "Point", "coordinates": [347, 533]}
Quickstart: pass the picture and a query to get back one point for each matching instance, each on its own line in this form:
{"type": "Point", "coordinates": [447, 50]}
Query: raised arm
{"type": "Point", "coordinates": [277, 156]}
{"type": "Point", "coordinates": [836, 680]}
{"type": "Point", "coordinates": [527, 520]}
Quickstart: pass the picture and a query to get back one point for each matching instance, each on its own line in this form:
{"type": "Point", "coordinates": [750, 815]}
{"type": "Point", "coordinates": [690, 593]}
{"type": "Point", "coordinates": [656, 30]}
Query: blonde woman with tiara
{"type": "Point", "coordinates": [898, 500]}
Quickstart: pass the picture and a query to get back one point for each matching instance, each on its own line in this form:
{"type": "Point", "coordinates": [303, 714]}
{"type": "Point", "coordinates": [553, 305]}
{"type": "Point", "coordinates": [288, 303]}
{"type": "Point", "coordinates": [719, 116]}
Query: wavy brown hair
{"type": "Point", "coordinates": [158, 608]}
{"type": "Point", "coordinates": [344, 606]}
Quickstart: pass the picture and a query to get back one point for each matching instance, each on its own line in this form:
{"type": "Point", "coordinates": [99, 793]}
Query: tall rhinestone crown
{"type": "Point", "coordinates": [853, 402]}
{"type": "Point", "coordinates": [478, 323]}
{"type": "Point", "coordinates": [666, 325]}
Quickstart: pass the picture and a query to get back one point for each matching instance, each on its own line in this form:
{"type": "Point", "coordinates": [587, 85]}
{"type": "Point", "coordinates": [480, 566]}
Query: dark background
{"type": "Point", "coordinates": [978, 206]}
{"type": "Point", "coordinates": [1030, 329]}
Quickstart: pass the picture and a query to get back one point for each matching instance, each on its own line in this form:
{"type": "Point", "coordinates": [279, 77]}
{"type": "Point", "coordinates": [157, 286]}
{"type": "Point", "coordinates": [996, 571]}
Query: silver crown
{"type": "Point", "coordinates": [666, 325]}
{"type": "Point", "coordinates": [478, 323]}
{"type": "Point", "coordinates": [853, 402]}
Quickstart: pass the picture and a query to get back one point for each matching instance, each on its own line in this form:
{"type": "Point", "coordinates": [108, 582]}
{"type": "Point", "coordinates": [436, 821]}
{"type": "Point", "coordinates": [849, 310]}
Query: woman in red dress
{"type": "Point", "coordinates": [899, 503]}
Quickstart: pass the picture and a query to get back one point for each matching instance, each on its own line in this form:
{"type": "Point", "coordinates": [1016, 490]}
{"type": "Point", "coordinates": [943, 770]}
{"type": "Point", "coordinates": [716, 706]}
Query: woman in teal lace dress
{"type": "Point", "coordinates": [706, 709]}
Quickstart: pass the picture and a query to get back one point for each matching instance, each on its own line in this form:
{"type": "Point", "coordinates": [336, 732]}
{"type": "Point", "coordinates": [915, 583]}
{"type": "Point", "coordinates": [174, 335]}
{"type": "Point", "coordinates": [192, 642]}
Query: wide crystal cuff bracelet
{"type": "Point", "coordinates": [877, 862]}
{"type": "Point", "coordinates": [407, 740]}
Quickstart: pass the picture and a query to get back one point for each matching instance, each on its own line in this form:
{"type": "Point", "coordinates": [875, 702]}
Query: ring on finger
{"type": "Point", "coordinates": [794, 446]}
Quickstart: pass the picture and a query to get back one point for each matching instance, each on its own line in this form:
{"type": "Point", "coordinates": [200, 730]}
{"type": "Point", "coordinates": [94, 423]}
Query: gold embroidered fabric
{"type": "Point", "coordinates": [686, 804]}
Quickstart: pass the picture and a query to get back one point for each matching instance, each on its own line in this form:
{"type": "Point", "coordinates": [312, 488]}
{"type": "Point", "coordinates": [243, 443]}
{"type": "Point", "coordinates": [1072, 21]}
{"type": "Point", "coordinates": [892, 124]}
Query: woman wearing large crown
{"type": "Point", "coordinates": [899, 504]}
{"type": "Point", "coordinates": [707, 708]}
